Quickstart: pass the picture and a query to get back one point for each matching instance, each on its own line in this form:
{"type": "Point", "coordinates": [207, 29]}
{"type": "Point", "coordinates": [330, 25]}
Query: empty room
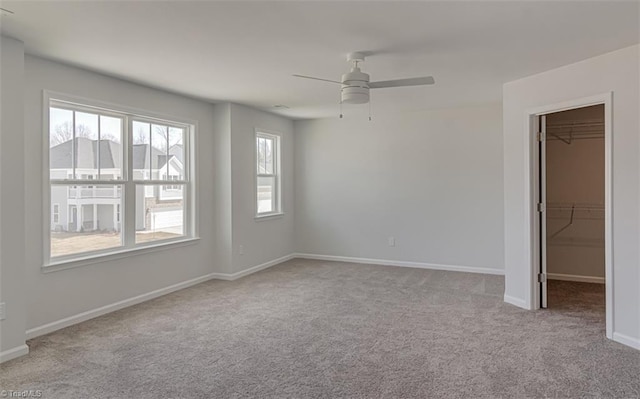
{"type": "Point", "coordinates": [320, 199]}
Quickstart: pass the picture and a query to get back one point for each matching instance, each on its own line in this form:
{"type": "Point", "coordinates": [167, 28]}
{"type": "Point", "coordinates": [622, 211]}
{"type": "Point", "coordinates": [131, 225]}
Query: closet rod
{"type": "Point", "coordinates": [568, 137]}
{"type": "Point", "coordinates": [575, 208]}
{"type": "Point", "coordinates": [574, 126]}
{"type": "Point", "coordinates": [581, 129]}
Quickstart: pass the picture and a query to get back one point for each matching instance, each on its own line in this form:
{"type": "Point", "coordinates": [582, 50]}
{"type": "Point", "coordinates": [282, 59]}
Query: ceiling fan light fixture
{"type": "Point", "coordinates": [355, 87]}
{"type": "Point", "coordinates": [355, 84]}
{"type": "Point", "coordinates": [355, 95]}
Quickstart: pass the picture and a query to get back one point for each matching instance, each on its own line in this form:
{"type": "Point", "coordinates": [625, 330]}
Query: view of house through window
{"type": "Point", "coordinates": [268, 165]}
{"type": "Point", "coordinates": [161, 213]}
{"type": "Point", "coordinates": [158, 155]}
{"type": "Point", "coordinates": [91, 179]}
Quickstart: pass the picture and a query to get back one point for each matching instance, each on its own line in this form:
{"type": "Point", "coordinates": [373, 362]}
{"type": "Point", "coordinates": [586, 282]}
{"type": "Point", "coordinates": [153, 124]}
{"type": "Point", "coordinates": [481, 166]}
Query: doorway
{"type": "Point", "coordinates": [571, 214]}
{"type": "Point", "coordinates": [572, 172]}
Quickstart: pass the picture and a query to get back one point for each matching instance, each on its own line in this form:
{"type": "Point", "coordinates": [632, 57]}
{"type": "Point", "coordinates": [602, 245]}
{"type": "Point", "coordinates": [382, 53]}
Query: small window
{"type": "Point", "coordinates": [171, 177]}
{"type": "Point", "coordinates": [268, 195]}
{"type": "Point", "coordinates": [56, 214]}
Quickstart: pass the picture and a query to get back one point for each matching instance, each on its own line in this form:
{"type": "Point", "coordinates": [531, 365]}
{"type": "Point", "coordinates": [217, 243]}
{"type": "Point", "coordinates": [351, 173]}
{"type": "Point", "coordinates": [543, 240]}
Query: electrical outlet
{"type": "Point", "coordinates": [392, 241]}
{"type": "Point", "coordinates": [241, 249]}
{"type": "Point", "coordinates": [3, 311]}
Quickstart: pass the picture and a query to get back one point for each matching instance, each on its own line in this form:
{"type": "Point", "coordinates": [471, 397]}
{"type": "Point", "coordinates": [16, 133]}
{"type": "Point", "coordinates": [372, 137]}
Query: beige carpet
{"type": "Point", "coordinates": [312, 329]}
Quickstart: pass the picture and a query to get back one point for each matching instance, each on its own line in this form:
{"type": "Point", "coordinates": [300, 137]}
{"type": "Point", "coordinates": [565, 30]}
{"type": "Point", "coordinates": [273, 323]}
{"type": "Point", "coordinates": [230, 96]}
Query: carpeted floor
{"type": "Point", "coordinates": [313, 329]}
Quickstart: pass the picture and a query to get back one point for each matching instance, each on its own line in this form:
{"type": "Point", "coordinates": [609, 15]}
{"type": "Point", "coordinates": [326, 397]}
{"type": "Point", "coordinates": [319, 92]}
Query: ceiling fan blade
{"type": "Point", "coordinates": [427, 80]}
{"type": "Point", "coordinates": [311, 77]}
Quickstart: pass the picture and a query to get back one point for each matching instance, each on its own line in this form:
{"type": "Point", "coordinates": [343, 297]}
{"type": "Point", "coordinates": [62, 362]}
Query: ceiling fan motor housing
{"type": "Point", "coordinates": [355, 87]}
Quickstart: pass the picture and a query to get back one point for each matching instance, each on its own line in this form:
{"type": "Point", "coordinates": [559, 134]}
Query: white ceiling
{"type": "Point", "coordinates": [245, 52]}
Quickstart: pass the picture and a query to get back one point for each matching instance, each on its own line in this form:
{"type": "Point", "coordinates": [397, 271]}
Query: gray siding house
{"type": "Point", "coordinates": [98, 208]}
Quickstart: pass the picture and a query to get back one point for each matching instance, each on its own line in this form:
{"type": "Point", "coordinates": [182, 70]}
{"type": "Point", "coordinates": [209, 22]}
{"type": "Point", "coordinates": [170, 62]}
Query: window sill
{"type": "Point", "coordinates": [269, 216]}
{"type": "Point", "coordinates": [55, 266]}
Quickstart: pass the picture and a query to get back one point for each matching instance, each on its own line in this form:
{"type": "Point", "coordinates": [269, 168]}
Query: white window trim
{"type": "Point", "coordinates": [127, 215]}
{"type": "Point", "coordinates": [278, 212]}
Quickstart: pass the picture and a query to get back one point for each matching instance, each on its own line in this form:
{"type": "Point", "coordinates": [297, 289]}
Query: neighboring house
{"type": "Point", "coordinates": [98, 208]}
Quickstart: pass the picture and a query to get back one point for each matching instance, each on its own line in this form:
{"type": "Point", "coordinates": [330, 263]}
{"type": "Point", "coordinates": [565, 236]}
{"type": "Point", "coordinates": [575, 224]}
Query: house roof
{"type": "Point", "coordinates": [86, 152]}
{"type": "Point", "coordinates": [141, 157]}
{"type": "Point", "coordinates": [177, 150]}
{"type": "Point", "coordinates": [110, 154]}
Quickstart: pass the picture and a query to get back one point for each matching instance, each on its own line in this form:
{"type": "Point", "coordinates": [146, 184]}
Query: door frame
{"type": "Point", "coordinates": [532, 115]}
{"type": "Point", "coordinates": [542, 214]}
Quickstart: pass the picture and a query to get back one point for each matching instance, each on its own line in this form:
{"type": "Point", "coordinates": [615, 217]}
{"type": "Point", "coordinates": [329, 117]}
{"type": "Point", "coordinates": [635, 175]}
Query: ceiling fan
{"type": "Point", "coordinates": [356, 84]}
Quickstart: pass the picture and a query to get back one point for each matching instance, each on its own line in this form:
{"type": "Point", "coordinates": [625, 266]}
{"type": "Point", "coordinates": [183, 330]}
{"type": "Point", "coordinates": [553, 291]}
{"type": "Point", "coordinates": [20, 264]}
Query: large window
{"type": "Point", "coordinates": [268, 198]}
{"type": "Point", "coordinates": [117, 181]}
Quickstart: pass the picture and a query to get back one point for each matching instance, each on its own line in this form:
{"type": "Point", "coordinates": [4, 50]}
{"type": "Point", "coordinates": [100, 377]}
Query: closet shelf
{"type": "Point", "coordinates": [574, 206]}
{"type": "Point", "coordinates": [579, 130]}
{"type": "Point", "coordinates": [570, 212]}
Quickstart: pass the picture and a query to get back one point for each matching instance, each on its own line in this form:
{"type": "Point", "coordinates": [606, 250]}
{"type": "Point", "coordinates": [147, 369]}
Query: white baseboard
{"type": "Point", "coordinates": [251, 270]}
{"type": "Point", "coordinates": [13, 353]}
{"type": "Point", "coordinates": [401, 263]}
{"type": "Point", "coordinates": [627, 340]}
{"type": "Point", "coordinates": [575, 277]}
{"type": "Point", "coordinates": [521, 303]}
{"type": "Point", "coordinates": [90, 314]}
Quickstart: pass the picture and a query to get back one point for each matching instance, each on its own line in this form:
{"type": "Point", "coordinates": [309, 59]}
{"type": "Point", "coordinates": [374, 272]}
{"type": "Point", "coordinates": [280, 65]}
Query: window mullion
{"type": "Point", "coordinates": [98, 151]}
{"type": "Point", "coordinates": [150, 155]}
{"type": "Point", "coordinates": [128, 219]}
{"type": "Point", "coordinates": [276, 172]}
{"type": "Point", "coordinates": [73, 144]}
{"type": "Point", "coordinates": [167, 154]}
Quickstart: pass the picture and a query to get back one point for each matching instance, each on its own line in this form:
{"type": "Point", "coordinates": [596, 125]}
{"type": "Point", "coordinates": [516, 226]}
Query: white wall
{"type": "Point", "coordinates": [12, 238]}
{"type": "Point", "coordinates": [268, 239]}
{"type": "Point", "coordinates": [615, 72]}
{"type": "Point", "coordinates": [431, 179]}
{"type": "Point", "coordinates": [56, 295]}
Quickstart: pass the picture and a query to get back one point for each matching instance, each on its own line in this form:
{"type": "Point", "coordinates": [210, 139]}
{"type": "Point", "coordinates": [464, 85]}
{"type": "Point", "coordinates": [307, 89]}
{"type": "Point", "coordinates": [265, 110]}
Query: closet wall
{"type": "Point", "coordinates": [575, 194]}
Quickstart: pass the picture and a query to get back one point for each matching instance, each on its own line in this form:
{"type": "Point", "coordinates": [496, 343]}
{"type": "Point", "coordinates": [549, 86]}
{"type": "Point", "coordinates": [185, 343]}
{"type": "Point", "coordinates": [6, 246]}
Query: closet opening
{"type": "Point", "coordinates": [572, 187]}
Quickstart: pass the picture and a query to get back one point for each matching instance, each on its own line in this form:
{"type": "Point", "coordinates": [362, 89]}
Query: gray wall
{"type": "Point", "coordinates": [54, 296]}
{"type": "Point", "coordinates": [431, 179]}
{"type": "Point", "coordinates": [225, 213]}
{"type": "Point", "coordinates": [267, 239]}
{"type": "Point", "coordinates": [12, 204]}
{"type": "Point", "coordinates": [222, 201]}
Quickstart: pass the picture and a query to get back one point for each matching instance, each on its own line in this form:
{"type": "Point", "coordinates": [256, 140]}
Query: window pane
{"type": "Point", "coordinates": [266, 198]}
{"type": "Point", "coordinates": [88, 218]}
{"type": "Point", "coordinates": [141, 150]}
{"type": "Point", "coordinates": [260, 155]}
{"type": "Point", "coordinates": [60, 143]}
{"type": "Point", "coordinates": [159, 148]}
{"type": "Point", "coordinates": [110, 148]}
{"type": "Point", "coordinates": [159, 212]}
{"type": "Point", "coordinates": [85, 154]}
{"type": "Point", "coordinates": [176, 151]}
{"type": "Point", "coordinates": [268, 153]}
